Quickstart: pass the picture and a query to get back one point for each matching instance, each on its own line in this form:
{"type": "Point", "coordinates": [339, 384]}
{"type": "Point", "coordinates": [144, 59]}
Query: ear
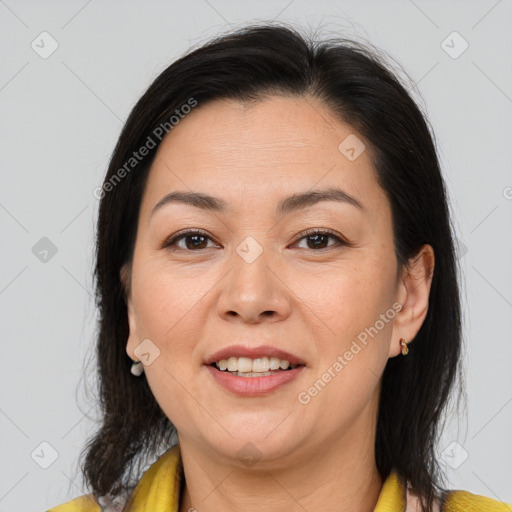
{"type": "Point", "coordinates": [132, 342]}
{"type": "Point", "coordinates": [413, 291]}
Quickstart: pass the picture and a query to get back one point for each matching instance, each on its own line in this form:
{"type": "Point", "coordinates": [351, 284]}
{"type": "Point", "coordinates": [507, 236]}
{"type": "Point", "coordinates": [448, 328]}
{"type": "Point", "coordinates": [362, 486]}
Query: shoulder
{"type": "Point", "coordinates": [167, 464]}
{"type": "Point", "coordinates": [464, 501]}
{"type": "Point", "coordinates": [85, 503]}
{"type": "Point", "coordinates": [458, 501]}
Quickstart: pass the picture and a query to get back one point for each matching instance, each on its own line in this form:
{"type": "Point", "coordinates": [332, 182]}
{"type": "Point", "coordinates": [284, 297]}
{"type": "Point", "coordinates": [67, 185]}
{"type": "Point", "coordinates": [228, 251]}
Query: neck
{"type": "Point", "coordinates": [341, 474]}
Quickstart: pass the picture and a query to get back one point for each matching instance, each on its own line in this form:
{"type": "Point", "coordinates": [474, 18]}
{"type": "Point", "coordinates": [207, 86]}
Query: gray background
{"type": "Point", "coordinates": [60, 118]}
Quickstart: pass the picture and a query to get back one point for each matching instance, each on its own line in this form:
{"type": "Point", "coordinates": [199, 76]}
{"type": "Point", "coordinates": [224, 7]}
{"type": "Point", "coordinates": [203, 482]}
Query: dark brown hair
{"type": "Point", "coordinates": [355, 83]}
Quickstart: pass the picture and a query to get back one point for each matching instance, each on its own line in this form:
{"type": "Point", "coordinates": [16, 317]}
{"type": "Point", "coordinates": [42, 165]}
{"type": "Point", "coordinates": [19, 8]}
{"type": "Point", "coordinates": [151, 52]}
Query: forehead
{"type": "Point", "coordinates": [260, 150]}
{"type": "Point", "coordinates": [276, 126]}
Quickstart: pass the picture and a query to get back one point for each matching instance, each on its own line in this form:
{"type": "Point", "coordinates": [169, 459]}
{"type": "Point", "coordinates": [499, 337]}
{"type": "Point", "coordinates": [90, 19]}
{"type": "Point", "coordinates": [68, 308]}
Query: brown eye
{"type": "Point", "coordinates": [317, 239]}
{"type": "Point", "coordinates": [193, 240]}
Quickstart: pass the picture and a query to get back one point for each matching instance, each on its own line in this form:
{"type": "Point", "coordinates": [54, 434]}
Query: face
{"type": "Point", "coordinates": [250, 274]}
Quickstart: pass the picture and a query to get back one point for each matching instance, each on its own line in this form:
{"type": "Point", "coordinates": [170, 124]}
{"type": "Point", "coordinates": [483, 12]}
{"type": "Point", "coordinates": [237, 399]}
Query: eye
{"type": "Point", "coordinates": [319, 236]}
{"type": "Point", "coordinates": [197, 239]}
{"type": "Point", "coordinates": [194, 239]}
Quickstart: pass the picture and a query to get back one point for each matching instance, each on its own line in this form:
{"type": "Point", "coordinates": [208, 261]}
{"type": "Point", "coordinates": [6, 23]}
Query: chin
{"type": "Point", "coordinates": [256, 445]}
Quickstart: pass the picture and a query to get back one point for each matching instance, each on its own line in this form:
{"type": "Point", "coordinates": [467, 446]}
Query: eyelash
{"type": "Point", "coordinates": [314, 231]}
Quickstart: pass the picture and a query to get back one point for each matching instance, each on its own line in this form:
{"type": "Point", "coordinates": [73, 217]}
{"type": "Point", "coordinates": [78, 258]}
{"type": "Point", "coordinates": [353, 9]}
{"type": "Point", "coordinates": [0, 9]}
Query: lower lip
{"type": "Point", "coordinates": [253, 386]}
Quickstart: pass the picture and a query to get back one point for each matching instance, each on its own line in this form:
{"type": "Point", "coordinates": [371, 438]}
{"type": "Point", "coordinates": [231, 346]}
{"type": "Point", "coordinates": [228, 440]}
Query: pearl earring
{"type": "Point", "coordinates": [137, 368]}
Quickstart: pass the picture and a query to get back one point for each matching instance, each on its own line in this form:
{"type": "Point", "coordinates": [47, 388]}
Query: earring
{"type": "Point", "coordinates": [405, 348]}
{"type": "Point", "coordinates": [137, 368]}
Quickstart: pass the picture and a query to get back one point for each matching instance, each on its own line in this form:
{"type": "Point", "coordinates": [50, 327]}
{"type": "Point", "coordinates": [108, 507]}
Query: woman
{"type": "Point", "coordinates": [276, 258]}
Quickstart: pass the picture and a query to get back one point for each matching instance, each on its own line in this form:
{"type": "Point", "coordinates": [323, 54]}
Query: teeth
{"type": "Point", "coordinates": [246, 365]}
{"type": "Point", "coordinates": [262, 364]}
{"type": "Point", "coordinates": [275, 363]}
{"type": "Point", "coordinates": [251, 374]}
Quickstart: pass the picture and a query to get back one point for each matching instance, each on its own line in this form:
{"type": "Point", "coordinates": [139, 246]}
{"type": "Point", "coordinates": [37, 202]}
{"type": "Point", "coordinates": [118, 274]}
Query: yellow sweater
{"type": "Point", "coordinates": [158, 491]}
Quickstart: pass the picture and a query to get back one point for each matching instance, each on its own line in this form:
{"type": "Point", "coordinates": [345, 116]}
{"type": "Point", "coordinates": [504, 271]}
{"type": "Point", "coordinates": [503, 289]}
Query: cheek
{"type": "Point", "coordinates": [357, 309]}
{"type": "Point", "coordinates": [354, 297]}
{"type": "Point", "coordinates": [168, 388]}
{"type": "Point", "coordinates": [166, 305]}
{"type": "Point", "coordinates": [169, 317]}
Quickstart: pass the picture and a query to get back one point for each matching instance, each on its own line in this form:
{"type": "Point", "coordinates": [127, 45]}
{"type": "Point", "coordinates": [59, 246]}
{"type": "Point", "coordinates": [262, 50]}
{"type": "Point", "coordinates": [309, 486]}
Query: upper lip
{"type": "Point", "coordinates": [252, 353]}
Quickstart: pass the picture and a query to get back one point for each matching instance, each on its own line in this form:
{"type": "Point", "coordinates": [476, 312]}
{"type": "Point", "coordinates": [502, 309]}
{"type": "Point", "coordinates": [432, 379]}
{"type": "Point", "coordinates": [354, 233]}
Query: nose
{"type": "Point", "coordinates": [253, 292]}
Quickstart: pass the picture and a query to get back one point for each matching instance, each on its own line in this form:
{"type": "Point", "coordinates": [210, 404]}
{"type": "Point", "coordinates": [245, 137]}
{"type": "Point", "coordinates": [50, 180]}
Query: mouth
{"type": "Point", "coordinates": [253, 371]}
{"type": "Point", "coordinates": [258, 367]}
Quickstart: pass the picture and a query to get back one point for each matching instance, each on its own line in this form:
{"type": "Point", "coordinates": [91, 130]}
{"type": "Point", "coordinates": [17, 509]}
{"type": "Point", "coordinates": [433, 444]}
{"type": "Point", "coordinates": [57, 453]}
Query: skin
{"type": "Point", "coordinates": [191, 302]}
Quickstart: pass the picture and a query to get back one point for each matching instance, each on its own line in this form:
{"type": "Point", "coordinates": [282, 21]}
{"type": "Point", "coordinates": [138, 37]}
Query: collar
{"type": "Point", "coordinates": [159, 488]}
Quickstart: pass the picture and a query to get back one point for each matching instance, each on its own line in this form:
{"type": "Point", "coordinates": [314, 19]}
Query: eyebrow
{"type": "Point", "coordinates": [290, 204]}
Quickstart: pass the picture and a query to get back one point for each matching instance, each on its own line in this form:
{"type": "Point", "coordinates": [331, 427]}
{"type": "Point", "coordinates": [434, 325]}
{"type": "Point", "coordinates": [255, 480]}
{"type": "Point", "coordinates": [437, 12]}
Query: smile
{"type": "Point", "coordinates": [247, 367]}
{"type": "Point", "coordinates": [252, 384]}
